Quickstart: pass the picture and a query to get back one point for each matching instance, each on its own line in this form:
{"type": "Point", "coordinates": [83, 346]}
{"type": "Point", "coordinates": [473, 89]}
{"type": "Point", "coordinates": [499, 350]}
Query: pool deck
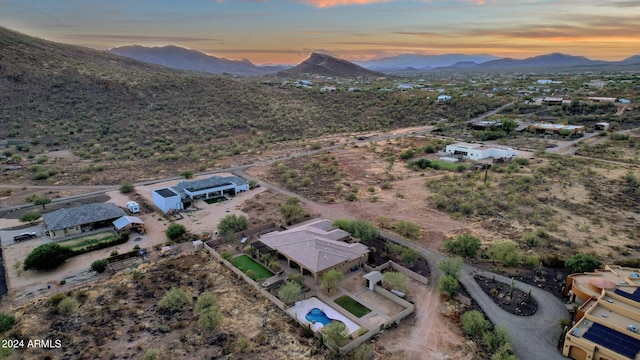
{"type": "Point", "coordinates": [302, 308]}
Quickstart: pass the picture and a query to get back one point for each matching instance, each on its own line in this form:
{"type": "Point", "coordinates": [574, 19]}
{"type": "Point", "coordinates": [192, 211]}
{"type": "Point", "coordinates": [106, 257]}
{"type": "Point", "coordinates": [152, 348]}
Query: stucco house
{"type": "Point", "coordinates": [183, 194]}
{"type": "Point", "coordinates": [479, 151]}
{"type": "Point", "coordinates": [76, 220]}
{"type": "Point", "coordinates": [316, 247]}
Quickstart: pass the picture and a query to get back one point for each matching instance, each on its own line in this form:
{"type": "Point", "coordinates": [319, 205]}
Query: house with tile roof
{"type": "Point", "coordinates": [316, 247]}
{"type": "Point", "coordinates": [76, 220]}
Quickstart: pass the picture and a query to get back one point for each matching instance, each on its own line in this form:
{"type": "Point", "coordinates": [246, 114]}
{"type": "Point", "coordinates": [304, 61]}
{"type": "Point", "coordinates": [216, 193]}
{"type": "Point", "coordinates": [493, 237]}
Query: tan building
{"type": "Point", "coordinates": [316, 247]}
{"type": "Point", "coordinates": [76, 220]}
{"type": "Point", "coordinates": [608, 319]}
{"type": "Point", "coordinates": [553, 129]}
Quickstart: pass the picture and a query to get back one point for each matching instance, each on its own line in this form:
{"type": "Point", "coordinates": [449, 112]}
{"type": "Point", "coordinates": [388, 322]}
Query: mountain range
{"type": "Point", "coordinates": [176, 57]}
{"type": "Point", "coordinates": [322, 64]}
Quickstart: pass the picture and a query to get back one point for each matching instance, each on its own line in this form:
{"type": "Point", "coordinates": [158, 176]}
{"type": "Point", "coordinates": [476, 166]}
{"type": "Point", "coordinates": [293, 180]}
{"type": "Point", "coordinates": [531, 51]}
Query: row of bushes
{"type": "Point", "coordinates": [50, 256]}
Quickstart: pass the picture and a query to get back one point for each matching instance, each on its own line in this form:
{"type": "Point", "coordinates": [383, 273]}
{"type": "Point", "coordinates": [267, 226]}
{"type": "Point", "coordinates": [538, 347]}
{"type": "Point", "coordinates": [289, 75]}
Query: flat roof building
{"type": "Point", "coordinates": [183, 194]}
{"type": "Point", "coordinates": [608, 319]}
{"type": "Point", "coordinates": [546, 128]}
{"type": "Point", "coordinates": [480, 151]}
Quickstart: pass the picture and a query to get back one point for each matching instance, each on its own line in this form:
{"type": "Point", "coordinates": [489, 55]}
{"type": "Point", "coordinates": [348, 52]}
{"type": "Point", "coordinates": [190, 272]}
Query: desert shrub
{"type": "Point", "coordinates": [126, 187]}
{"type": "Point", "coordinates": [410, 256]}
{"type": "Point", "coordinates": [450, 267]}
{"type": "Point", "coordinates": [582, 263]}
{"type": "Point", "coordinates": [531, 261]}
{"type": "Point", "coordinates": [465, 245]}
{"type": "Point", "coordinates": [46, 257]}
{"type": "Point", "coordinates": [505, 252]}
{"type": "Point", "coordinates": [334, 333]}
{"type": "Point", "coordinates": [407, 228]}
{"type": "Point", "coordinates": [175, 231]}
{"type": "Point", "coordinates": [67, 306]}
{"type": "Point", "coordinates": [474, 323]}
{"type": "Point", "coordinates": [361, 229]}
{"type": "Point", "coordinates": [205, 300]}
{"type": "Point", "coordinates": [152, 354]}
{"type": "Point", "coordinates": [174, 300]}
{"type": "Point", "coordinates": [362, 352]}
{"type": "Point", "coordinates": [210, 318]}
{"type": "Point", "coordinates": [6, 322]}
{"type": "Point", "coordinates": [54, 300]}
{"type": "Point", "coordinates": [504, 352]}
{"type": "Point", "coordinates": [448, 285]}
{"type": "Point", "coordinates": [351, 196]}
{"type": "Point", "coordinates": [30, 217]}
{"type": "Point", "coordinates": [99, 266]}
{"type": "Point", "coordinates": [298, 278]}
{"type": "Point", "coordinates": [496, 338]}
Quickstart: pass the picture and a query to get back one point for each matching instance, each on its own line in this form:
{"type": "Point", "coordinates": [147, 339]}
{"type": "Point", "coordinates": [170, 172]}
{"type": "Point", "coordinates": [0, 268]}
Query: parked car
{"type": "Point", "coordinates": [25, 236]}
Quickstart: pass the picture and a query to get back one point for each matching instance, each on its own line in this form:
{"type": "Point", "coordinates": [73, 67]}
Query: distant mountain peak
{"type": "Point", "coordinates": [327, 65]}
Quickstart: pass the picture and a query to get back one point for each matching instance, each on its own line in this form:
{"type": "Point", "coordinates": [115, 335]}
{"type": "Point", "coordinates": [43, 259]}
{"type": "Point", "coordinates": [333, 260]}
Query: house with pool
{"type": "Point", "coordinates": [315, 247]}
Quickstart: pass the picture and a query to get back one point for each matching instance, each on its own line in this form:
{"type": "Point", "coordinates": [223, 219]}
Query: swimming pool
{"type": "Point", "coordinates": [318, 315]}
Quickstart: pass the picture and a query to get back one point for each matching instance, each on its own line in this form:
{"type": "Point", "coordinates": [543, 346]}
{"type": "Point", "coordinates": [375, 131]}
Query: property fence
{"type": "Point", "coordinates": [399, 268]}
{"type": "Point", "coordinates": [257, 230]}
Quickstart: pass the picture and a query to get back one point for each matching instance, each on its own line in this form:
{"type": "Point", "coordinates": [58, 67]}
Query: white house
{"type": "Point", "coordinates": [444, 98]}
{"type": "Point", "coordinates": [479, 151]}
{"type": "Point", "coordinates": [405, 86]}
{"type": "Point", "coordinates": [181, 196]}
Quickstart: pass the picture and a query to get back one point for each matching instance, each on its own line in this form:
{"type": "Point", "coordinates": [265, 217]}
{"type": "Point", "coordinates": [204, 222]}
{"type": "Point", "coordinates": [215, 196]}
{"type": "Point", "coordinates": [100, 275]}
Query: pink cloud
{"type": "Point", "coordinates": [332, 3]}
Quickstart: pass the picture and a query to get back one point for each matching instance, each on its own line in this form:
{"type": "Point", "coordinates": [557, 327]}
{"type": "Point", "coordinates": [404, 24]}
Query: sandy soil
{"type": "Point", "coordinates": [427, 335]}
{"type": "Point", "coordinates": [23, 282]}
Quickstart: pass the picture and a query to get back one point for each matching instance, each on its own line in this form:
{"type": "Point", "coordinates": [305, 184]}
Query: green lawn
{"type": "Point", "coordinates": [83, 242]}
{"type": "Point", "coordinates": [215, 200]}
{"type": "Point", "coordinates": [245, 263]}
{"type": "Point", "coordinates": [352, 306]}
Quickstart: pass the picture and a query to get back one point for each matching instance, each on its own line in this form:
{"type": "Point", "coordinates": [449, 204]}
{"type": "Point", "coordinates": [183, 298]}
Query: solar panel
{"type": "Point", "coordinates": [613, 340]}
{"type": "Point", "coordinates": [635, 296]}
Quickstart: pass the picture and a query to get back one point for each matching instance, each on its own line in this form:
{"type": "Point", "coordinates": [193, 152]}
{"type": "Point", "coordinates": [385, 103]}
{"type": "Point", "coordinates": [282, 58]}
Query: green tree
{"type": "Point", "coordinates": [252, 183]}
{"type": "Point", "coordinates": [232, 224]}
{"type": "Point", "coordinates": [174, 300]}
{"type": "Point", "coordinates": [582, 263]}
{"type": "Point", "coordinates": [363, 230]}
{"type": "Point", "coordinates": [410, 256]}
{"type": "Point", "coordinates": [474, 323]}
{"type": "Point", "coordinates": [396, 280]}
{"type": "Point", "coordinates": [126, 187]}
{"type": "Point", "coordinates": [99, 266]}
{"type": "Point", "coordinates": [332, 279]}
{"type": "Point", "coordinates": [450, 267]}
{"type": "Point", "coordinates": [175, 231]}
{"type": "Point", "coordinates": [30, 217]}
{"type": "Point", "coordinates": [407, 228]}
{"type": "Point", "coordinates": [505, 252]}
{"type": "Point", "coordinates": [334, 333]}
{"type": "Point", "coordinates": [210, 318]}
{"type": "Point", "coordinates": [508, 125]}
{"type": "Point", "coordinates": [46, 257]}
{"type": "Point", "coordinates": [187, 174]}
{"type": "Point", "coordinates": [290, 291]}
{"type": "Point", "coordinates": [205, 300]}
{"type": "Point", "coordinates": [41, 201]}
{"type": "Point", "coordinates": [448, 285]}
{"type": "Point", "coordinates": [6, 322]}
{"type": "Point", "coordinates": [292, 211]}
{"type": "Point", "coordinates": [465, 245]}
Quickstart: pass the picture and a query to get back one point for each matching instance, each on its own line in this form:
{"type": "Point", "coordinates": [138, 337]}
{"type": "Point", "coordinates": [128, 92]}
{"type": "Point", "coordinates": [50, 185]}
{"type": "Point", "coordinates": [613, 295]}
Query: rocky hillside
{"type": "Point", "coordinates": [120, 319]}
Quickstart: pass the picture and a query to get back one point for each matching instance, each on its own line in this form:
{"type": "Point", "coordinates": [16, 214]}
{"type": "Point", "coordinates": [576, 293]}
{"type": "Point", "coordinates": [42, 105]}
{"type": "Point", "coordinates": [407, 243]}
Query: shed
{"type": "Point", "coordinates": [198, 244]}
{"type": "Point", "coordinates": [373, 278]}
{"type": "Point", "coordinates": [125, 223]}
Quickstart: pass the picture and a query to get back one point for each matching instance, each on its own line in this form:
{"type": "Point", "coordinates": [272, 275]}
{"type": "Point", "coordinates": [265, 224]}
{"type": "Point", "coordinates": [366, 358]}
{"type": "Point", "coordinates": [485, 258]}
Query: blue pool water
{"type": "Point", "coordinates": [318, 315]}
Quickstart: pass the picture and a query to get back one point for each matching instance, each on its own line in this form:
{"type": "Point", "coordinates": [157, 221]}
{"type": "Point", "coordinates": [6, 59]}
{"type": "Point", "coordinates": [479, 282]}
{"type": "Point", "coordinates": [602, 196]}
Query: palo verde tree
{"type": "Point", "coordinates": [41, 201]}
{"type": "Point", "coordinates": [232, 224]}
{"type": "Point", "coordinates": [582, 263]}
{"type": "Point", "coordinates": [30, 217]}
{"type": "Point", "coordinates": [396, 280]}
{"type": "Point", "coordinates": [290, 291]}
{"type": "Point", "coordinates": [175, 231]}
{"type": "Point", "coordinates": [331, 279]}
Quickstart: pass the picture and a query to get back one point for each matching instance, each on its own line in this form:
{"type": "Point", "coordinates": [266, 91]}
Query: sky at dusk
{"type": "Point", "coordinates": [287, 31]}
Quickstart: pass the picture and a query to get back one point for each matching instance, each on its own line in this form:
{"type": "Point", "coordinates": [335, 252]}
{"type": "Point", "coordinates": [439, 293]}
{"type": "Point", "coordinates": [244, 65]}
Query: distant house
{"type": "Point", "coordinates": [405, 86]}
{"type": "Point", "coordinates": [545, 81]}
{"type": "Point", "coordinates": [554, 129]}
{"type": "Point", "coordinates": [624, 101]}
{"type": "Point", "coordinates": [444, 98]}
{"type": "Point", "coordinates": [601, 126]}
{"type": "Point", "coordinates": [76, 220]}
{"type": "Point", "coordinates": [316, 247]}
{"type": "Point", "coordinates": [479, 151]}
{"type": "Point", "coordinates": [601, 99]}
{"type": "Point", "coordinates": [328, 88]}
{"type": "Point", "coordinates": [552, 100]}
{"type": "Point", "coordinates": [183, 194]}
